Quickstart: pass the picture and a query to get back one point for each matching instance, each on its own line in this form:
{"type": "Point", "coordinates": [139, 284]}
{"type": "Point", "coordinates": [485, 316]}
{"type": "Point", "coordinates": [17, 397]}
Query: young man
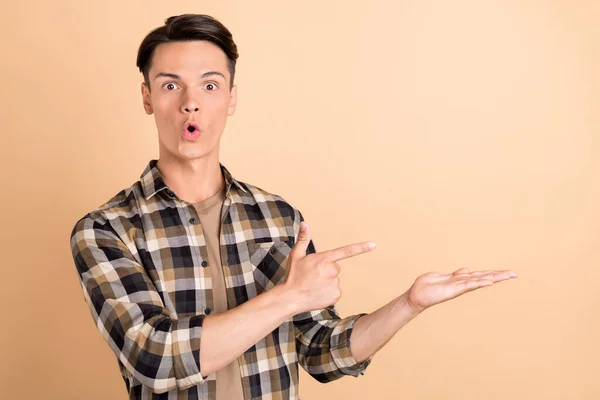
{"type": "Point", "coordinates": [206, 287]}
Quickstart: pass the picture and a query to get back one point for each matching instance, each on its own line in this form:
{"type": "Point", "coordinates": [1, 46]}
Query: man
{"type": "Point", "coordinates": [206, 287]}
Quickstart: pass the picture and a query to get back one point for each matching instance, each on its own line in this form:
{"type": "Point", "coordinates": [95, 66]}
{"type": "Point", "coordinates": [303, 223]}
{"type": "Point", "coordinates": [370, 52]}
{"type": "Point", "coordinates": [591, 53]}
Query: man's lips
{"type": "Point", "coordinates": [191, 130]}
{"type": "Point", "coordinates": [191, 126]}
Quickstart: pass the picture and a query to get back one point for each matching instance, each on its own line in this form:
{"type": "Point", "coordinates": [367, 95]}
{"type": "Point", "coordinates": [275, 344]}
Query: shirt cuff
{"type": "Point", "coordinates": [340, 348]}
{"type": "Point", "coordinates": [185, 335]}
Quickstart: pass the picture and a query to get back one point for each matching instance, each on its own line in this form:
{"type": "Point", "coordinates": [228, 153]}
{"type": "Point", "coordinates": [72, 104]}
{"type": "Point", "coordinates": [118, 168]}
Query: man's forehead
{"type": "Point", "coordinates": [173, 56]}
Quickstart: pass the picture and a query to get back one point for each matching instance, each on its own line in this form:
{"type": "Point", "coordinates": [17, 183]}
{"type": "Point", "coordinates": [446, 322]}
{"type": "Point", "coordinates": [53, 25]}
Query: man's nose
{"type": "Point", "coordinates": [190, 106]}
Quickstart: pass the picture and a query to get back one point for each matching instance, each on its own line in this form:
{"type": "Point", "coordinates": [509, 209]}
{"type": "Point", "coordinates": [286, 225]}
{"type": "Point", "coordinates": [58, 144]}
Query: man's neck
{"type": "Point", "coordinates": [194, 180]}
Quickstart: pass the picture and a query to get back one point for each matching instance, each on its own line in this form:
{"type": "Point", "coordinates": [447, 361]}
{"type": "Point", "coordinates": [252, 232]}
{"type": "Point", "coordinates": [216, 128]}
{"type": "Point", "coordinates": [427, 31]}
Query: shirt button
{"type": "Point", "coordinates": [170, 193]}
{"type": "Point", "coordinates": [204, 264]}
{"type": "Point", "coordinates": [273, 250]}
{"type": "Point", "coordinates": [207, 311]}
{"type": "Point", "coordinates": [193, 220]}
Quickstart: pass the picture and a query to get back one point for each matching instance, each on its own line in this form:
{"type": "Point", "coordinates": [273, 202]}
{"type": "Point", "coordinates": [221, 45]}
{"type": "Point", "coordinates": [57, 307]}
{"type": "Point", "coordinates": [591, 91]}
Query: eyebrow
{"type": "Point", "coordinates": [175, 76]}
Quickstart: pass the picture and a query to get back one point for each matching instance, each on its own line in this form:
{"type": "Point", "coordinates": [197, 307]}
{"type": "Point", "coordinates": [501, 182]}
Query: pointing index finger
{"type": "Point", "coordinates": [348, 251]}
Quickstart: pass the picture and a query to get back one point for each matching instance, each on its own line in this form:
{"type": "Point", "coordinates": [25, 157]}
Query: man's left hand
{"type": "Point", "coordinates": [434, 288]}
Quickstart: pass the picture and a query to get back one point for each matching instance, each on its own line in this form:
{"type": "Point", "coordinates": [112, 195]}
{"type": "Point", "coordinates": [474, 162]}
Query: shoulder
{"type": "Point", "coordinates": [269, 199]}
{"type": "Point", "coordinates": [123, 206]}
{"type": "Point", "coordinates": [268, 212]}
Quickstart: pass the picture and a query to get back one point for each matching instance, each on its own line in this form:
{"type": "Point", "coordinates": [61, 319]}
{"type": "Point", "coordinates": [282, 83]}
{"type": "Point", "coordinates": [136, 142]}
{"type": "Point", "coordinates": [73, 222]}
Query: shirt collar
{"type": "Point", "coordinates": [153, 181]}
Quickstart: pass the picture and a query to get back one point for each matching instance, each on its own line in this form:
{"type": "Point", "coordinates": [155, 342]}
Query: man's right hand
{"type": "Point", "coordinates": [313, 279]}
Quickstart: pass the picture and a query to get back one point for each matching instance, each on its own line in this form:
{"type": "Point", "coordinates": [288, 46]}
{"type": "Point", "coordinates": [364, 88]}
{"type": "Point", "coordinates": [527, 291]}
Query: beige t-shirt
{"type": "Point", "coordinates": [229, 381]}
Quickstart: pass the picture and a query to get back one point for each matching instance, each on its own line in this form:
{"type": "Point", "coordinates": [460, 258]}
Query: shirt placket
{"type": "Point", "coordinates": [199, 253]}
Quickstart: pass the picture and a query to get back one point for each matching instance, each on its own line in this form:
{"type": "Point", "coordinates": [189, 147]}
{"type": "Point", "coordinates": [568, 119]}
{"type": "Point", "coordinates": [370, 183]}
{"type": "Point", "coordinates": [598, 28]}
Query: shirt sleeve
{"type": "Point", "coordinates": [161, 352]}
{"type": "Point", "coordinates": [323, 338]}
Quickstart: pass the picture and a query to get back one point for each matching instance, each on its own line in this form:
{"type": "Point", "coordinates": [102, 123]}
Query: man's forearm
{"type": "Point", "coordinates": [371, 332]}
{"type": "Point", "coordinates": [227, 335]}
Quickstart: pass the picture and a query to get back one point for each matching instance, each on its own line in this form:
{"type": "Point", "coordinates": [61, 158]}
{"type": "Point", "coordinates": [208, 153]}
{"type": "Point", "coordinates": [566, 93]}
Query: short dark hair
{"type": "Point", "coordinates": [183, 28]}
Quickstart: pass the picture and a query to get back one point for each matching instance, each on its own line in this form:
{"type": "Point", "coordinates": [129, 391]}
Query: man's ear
{"type": "Point", "coordinates": [232, 100]}
{"type": "Point", "coordinates": [146, 99]}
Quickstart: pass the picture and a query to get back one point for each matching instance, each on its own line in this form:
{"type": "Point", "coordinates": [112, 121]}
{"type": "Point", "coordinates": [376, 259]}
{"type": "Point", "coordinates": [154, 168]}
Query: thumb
{"type": "Point", "coordinates": [299, 249]}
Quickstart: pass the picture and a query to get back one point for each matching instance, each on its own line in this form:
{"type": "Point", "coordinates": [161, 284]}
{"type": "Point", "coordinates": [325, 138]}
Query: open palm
{"type": "Point", "coordinates": [434, 288]}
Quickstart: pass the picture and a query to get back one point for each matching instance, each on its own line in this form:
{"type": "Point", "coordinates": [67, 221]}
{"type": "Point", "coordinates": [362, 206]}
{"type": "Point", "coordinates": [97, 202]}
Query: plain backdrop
{"type": "Point", "coordinates": [455, 134]}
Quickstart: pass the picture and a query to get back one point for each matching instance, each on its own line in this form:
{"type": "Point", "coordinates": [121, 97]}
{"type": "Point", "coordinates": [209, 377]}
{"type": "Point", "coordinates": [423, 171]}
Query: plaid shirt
{"type": "Point", "coordinates": [141, 259]}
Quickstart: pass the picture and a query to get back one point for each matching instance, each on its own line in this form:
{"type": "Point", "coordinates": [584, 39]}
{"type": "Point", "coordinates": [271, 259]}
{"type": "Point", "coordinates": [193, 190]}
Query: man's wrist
{"type": "Point", "coordinates": [286, 297]}
{"type": "Point", "coordinates": [403, 304]}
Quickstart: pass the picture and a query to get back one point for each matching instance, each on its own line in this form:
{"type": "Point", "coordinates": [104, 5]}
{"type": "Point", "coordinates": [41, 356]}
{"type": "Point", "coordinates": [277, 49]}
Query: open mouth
{"type": "Point", "coordinates": [191, 131]}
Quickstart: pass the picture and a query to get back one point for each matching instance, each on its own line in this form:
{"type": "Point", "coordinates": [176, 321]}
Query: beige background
{"type": "Point", "coordinates": [461, 133]}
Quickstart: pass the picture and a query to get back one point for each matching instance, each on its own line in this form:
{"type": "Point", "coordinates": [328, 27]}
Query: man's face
{"type": "Point", "coordinates": [189, 86]}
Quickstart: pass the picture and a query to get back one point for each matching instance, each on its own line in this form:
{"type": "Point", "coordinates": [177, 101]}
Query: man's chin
{"type": "Point", "coordinates": [194, 151]}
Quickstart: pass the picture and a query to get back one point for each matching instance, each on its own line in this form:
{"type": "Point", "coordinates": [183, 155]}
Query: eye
{"type": "Point", "coordinates": [170, 86]}
{"type": "Point", "coordinates": [210, 86]}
